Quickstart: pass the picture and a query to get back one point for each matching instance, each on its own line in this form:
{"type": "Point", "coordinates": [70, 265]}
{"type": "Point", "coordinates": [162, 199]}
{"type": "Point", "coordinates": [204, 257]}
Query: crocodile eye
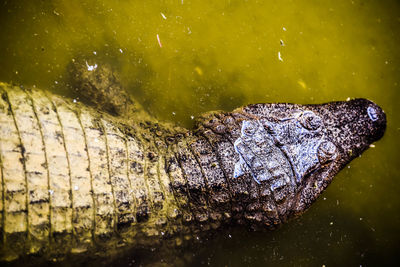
{"type": "Point", "coordinates": [249, 128]}
{"type": "Point", "coordinates": [326, 152]}
{"type": "Point", "coordinates": [310, 121]}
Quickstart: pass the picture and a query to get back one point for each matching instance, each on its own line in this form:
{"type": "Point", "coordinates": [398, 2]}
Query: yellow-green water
{"type": "Point", "coordinates": [212, 54]}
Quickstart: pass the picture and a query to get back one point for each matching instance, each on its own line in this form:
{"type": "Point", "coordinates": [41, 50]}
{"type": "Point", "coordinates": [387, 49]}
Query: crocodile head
{"type": "Point", "coordinates": [294, 151]}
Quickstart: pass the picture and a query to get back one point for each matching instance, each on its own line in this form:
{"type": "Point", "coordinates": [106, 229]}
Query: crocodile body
{"type": "Point", "coordinates": [75, 180]}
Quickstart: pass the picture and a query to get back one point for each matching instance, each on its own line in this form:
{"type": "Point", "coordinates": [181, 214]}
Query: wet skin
{"type": "Point", "coordinates": [149, 182]}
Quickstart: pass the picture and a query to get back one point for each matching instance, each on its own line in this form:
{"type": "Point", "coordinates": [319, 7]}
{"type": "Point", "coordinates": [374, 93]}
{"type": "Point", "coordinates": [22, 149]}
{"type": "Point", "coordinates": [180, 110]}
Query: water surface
{"type": "Point", "coordinates": [181, 58]}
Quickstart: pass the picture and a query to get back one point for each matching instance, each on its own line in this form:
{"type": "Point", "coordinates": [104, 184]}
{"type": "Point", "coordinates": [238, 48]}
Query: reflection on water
{"type": "Point", "coordinates": [180, 58]}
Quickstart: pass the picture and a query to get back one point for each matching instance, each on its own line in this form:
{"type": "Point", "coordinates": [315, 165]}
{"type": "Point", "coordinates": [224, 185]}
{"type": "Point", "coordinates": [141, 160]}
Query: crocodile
{"type": "Point", "coordinates": [79, 181]}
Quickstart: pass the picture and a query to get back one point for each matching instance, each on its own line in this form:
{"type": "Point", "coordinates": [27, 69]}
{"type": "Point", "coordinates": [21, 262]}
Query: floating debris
{"type": "Point", "coordinates": [159, 41]}
{"type": "Point", "coordinates": [94, 52]}
{"type": "Point", "coordinates": [348, 99]}
{"type": "Point", "coordinates": [283, 28]}
{"type": "Point", "coordinates": [163, 16]}
{"type": "Point", "coordinates": [91, 67]}
{"type": "Point", "coordinates": [279, 56]}
{"type": "Point", "coordinates": [192, 117]}
{"type": "Point", "coordinates": [198, 70]}
{"type": "Point", "coordinates": [74, 100]}
{"type": "Point", "coordinates": [120, 50]}
{"type": "Point", "coordinates": [372, 145]}
{"type": "Point", "coordinates": [302, 83]}
{"type": "Point", "coordinates": [281, 42]}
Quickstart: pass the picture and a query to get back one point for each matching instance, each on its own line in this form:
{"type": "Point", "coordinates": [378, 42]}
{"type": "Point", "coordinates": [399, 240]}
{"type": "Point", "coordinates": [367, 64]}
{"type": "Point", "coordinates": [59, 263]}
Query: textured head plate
{"type": "Point", "coordinates": [282, 151]}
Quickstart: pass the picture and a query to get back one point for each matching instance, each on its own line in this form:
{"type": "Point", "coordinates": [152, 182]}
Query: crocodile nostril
{"type": "Point", "coordinates": [372, 113]}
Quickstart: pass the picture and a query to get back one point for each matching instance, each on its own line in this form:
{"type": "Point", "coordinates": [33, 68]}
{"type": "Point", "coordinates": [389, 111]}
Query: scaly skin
{"type": "Point", "coordinates": [75, 180]}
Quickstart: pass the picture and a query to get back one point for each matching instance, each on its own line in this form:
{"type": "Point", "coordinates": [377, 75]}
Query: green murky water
{"type": "Point", "coordinates": [180, 58]}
